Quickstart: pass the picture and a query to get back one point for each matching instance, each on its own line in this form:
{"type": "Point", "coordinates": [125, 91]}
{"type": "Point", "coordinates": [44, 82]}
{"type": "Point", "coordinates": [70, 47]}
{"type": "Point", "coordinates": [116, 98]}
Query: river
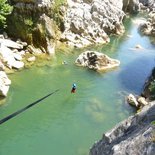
{"type": "Point", "coordinates": [66, 123]}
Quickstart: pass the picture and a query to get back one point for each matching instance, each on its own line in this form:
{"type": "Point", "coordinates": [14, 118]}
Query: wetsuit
{"type": "Point", "coordinates": [73, 88]}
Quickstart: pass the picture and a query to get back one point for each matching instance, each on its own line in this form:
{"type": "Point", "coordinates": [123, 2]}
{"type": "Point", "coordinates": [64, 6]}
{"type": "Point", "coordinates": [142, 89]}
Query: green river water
{"type": "Point", "coordinates": [69, 124]}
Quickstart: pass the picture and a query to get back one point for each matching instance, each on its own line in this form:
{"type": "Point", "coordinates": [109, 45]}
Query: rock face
{"type": "Point", "coordinates": [134, 136]}
{"type": "Point", "coordinates": [149, 3]}
{"type": "Point", "coordinates": [4, 84]}
{"type": "Point", "coordinates": [131, 6]}
{"type": "Point", "coordinates": [96, 61]}
{"type": "Point", "coordinates": [148, 28]}
{"type": "Point", "coordinates": [137, 102]}
{"type": "Point", "coordinates": [90, 21]}
{"type": "Point", "coordinates": [149, 87]}
{"type": "Point", "coordinates": [31, 21]}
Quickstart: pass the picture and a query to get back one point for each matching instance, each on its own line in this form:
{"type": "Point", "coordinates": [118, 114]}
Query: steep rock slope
{"type": "Point", "coordinates": [135, 136]}
{"type": "Point", "coordinates": [91, 21]}
{"type": "Point", "coordinates": [32, 21]}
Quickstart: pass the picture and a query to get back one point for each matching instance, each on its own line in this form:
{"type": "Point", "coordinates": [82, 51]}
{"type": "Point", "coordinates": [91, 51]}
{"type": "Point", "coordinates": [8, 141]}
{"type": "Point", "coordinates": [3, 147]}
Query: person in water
{"type": "Point", "coordinates": [73, 88]}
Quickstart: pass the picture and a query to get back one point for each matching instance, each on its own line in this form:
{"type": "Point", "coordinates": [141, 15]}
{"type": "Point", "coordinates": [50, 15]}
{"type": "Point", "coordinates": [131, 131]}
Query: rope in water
{"type": "Point", "coordinates": [25, 108]}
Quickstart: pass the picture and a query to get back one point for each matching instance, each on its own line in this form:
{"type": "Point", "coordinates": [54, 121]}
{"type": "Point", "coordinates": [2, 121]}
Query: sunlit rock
{"type": "Point", "coordinates": [96, 61]}
{"type": "Point", "coordinates": [8, 58]}
{"type": "Point", "coordinates": [90, 22]}
{"type": "Point", "coordinates": [4, 84]}
{"type": "Point", "coordinates": [132, 100]}
{"type": "Point", "coordinates": [31, 59]}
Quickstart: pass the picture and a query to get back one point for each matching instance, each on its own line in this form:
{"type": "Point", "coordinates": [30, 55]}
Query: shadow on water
{"type": "Point", "coordinates": [134, 75]}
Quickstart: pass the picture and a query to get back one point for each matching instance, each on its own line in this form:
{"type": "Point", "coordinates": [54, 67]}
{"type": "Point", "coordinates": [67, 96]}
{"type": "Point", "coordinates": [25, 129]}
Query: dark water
{"type": "Point", "coordinates": [68, 123]}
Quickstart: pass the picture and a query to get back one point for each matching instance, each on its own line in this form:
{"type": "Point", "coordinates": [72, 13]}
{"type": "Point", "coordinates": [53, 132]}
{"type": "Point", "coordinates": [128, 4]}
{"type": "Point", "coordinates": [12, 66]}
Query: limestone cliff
{"type": "Point", "coordinates": [91, 21]}
{"type": "Point", "coordinates": [32, 21]}
{"type": "Point", "coordinates": [78, 23]}
{"type": "Point", "coordinates": [134, 136]}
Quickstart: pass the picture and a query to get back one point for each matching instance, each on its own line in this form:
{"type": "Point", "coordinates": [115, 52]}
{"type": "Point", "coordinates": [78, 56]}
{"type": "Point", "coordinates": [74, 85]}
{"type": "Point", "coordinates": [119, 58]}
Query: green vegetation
{"type": "Point", "coordinates": [57, 13]}
{"type": "Point", "coordinates": [28, 21]}
{"type": "Point", "coordinates": [153, 122]}
{"type": "Point", "coordinates": [5, 9]}
{"type": "Point", "coordinates": [152, 86]}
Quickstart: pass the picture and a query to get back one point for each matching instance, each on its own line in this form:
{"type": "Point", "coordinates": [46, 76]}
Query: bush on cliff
{"type": "Point", "coordinates": [5, 9]}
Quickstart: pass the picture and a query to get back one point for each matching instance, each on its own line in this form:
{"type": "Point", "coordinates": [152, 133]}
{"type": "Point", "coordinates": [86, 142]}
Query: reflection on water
{"type": "Point", "coordinates": [68, 123]}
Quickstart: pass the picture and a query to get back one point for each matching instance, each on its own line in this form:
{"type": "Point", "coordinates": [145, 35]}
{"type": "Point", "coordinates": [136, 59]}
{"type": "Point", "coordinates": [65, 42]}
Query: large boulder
{"type": "Point", "coordinates": [9, 58]}
{"type": "Point", "coordinates": [134, 136]}
{"type": "Point", "coordinates": [96, 61]}
{"type": "Point", "coordinates": [4, 84]}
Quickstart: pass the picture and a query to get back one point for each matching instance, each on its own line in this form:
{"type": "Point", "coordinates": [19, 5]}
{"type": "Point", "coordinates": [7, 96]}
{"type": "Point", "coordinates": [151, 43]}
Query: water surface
{"type": "Point", "coordinates": [68, 123]}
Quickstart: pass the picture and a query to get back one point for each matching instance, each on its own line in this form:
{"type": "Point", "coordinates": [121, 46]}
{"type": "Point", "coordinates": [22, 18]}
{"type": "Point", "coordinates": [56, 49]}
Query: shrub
{"type": "Point", "coordinates": [5, 9]}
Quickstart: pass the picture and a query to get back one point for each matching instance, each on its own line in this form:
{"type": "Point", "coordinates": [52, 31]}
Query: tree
{"type": "Point", "coordinates": [5, 9]}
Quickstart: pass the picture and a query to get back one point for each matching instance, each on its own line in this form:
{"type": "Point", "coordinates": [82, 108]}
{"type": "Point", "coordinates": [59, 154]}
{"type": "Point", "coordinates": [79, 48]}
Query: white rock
{"type": "Point", "coordinates": [132, 100]}
{"type": "Point", "coordinates": [4, 84]}
{"type": "Point", "coordinates": [97, 61]}
{"type": "Point", "coordinates": [10, 43]}
{"type": "Point", "coordinates": [142, 101]}
{"type": "Point", "coordinates": [17, 56]}
{"type": "Point", "coordinates": [31, 59]}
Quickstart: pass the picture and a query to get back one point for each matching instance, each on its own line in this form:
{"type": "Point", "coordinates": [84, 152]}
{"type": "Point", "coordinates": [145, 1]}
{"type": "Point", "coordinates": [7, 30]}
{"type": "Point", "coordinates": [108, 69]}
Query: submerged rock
{"type": "Point", "coordinates": [134, 136]}
{"type": "Point", "coordinates": [96, 61]}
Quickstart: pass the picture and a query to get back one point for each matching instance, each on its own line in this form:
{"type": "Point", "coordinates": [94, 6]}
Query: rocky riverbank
{"type": "Point", "coordinates": [42, 24]}
{"type": "Point", "coordinates": [136, 135]}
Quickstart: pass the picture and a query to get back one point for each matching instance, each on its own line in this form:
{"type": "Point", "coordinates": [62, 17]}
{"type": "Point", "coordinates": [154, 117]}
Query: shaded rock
{"type": "Point", "coordinates": [132, 6]}
{"type": "Point", "coordinates": [4, 84]}
{"type": "Point", "coordinates": [149, 86]}
{"type": "Point", "coordinates": [33, 22]}
{"type": "Point", "coordinates": [138, 46]}
{"type": "Point", "coordinates": [134, 136]}
{"type": "Point", "coordinates": [96, 61]}
{"type": "Point", "coordinates": [2, 67]}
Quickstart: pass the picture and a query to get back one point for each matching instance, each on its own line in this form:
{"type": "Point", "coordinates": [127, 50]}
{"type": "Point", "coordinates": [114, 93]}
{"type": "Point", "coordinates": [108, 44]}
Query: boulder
{"type": "Point", "coordinates": [142, 101]}
{"type": "Point", "coordinates": [8, 57]}
{"type": "Point", "coordinates": [132, 100]}
{"type": "Point", "coordinates": [10, 43]}
{"type": "Point", "coordinates": [4, 84]}
{"type": "Point", "coordinates": [31, 59]}
{"type": "Point", "coordinates": [96, 61]}
{"type": "Point", "coordinates": [148, 27]}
